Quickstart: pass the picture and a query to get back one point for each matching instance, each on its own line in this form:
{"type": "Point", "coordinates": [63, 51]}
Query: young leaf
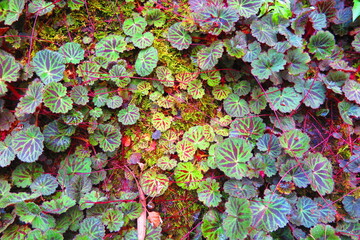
{"type": "Point", "coordinates": [113, 219]}
{"type": "Point", "coordinates": [129, 115]}
{"type": "Point", "coordinates": [146, 61]}
{"type": "Point", "coordinates": [270, 213]}
{"type": "Point", "coordinates": [72, 52]}
{"type": "Point", "coordinates": [220, 92]}
{"type": "Point", "coordinates": [321, 178]}
{"type": "Point", "coordinates": [208, 57]}
{"type": "Point", "coordinates": [268, 64]}
{"type": "Point", "coordinates": [236, 107]}
{"type": "Point", "coordinates": [135, 25]}
{"type": "Point", "coordinates": [89, 199]}
{"type": "Point", "coordinates": [45, 185]}
{"type": "Point", "coordinates": [295, 142]}
{"type": "Point", "coordinates": [246, 8]}
{"type": "Point", "coordinates": [231, 156]}
{"type": "Point", "coordinates": [15, 9]}
{"type": "Point", "coordinates": [321, 231]}
{"type": "Point", "coordinates": [185, 150]}
{"type": "Point", "coordinates": [178, 37]}
{"type": "Point", "coordinates": [285, 101]}
{"type": "Point", "coordinates": [195, 89]}
{"type": "Point", "coordinates": [55, 98]}
{"type": "Point", "coordinates": [160, 122]}
{"type": "Point", "coordinates": [321, 44]}
{"type": "Point", "coordinates": [187, 175]}
{"type": "Point", "coordinates": [28, 143]}
{"type": "Point", "coordinates": [49, 66]}
{"type": "Point", "coordinates": [154, 184]}
{"type": "Point", "coordinates": [238, 218]}
{"type": "Point", "coordinates": [208, 192]}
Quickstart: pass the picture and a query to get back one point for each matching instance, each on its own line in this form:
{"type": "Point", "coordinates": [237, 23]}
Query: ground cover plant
{"type": "Point", "coordinates": [198, 119]}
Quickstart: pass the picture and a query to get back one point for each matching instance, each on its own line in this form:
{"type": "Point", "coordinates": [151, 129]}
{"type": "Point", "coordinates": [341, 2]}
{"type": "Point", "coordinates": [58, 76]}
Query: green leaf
{"type": "Point", "coordinates": [45, 185]}
{"type": "Point", "coordinates": [71, 166]}
{"type": "Point", "coordinates": [55, 98]}
{"type": "Point", "coordinates": [347, 110]}
{"type": "Point", "coordinates": [31, 100]}
{"type": "Point", "coordinates": [213, 77]}
{"type": "Point", "coordinates": [356, 10]}
{"type": "Point", "coordinates": [321, 44]}
{"type": "Point", "coordinates": [4, 187]}
{"type": "Point", "coordinates": [321, 231]}
{"type": "Point", "coordinates": [7, 153]}
{"type": "Point", "coordinates": [37, 234]}
{"type": "Point", "coordinates": [165, 76]}
{"type": "Point", "coordinates": [295, 142]}
{"type": "Point", "coordinates": [246, 8]}
{"type": "Point", "coordinates": [31, 213]}
{"type": "Point", "coordinates": [240, 188]}
{"type": "Point", "coordinates": [160, 122]}
{"type": "Point", "coordinates": [269, 144]}
{"type": "Point", "coordinates": [306, 213]}
{"type": "Point", "coordinates": [195, 89]}
{"type": "Point", "coordinates": [197, 137]}
{"type": "Point", "coordinates": [28, 143]}
{"type": "Point", "coordinates": [351, 90]}
{"type": "Point", "coordinates": [143, 40]}
{"type": "Point", "coordinates": [57, 136]}
{"type": "Point", "coordinates": [72, 52]}
{"type": "Point", "coordinates": [242, 88]}
{"type": "Point", "coordinates": [178, 37]}
{"type": "Point", "coordinates": [208, 192]}
{"type": "Point", "coordinates": [258, 101]}
{"type": "Point", "coordinates": [93, 228]}
{"type": "Point", "coordinates": [321, 177]}
{"type": "Point", "coordinates": [79, 94]}
{"type": "Point", "coordinates": [131, 210]}
{"type": "Point", "coordinates": [295, 172]}
{"type": "Point", "coordinates": [113, 219]}
{"type": "Point", "coordinates": [252, 52]}
{"type": "Point", "coordinates": [40, 7]}
{"type": "Point", "coordinates": [314, 93]}
{"type": "Point", "coordinates": [49, 66]}
{"type": "Point", "coordinates": [135, 25]}
{"type": "Point", "coordinates": [15, 9]}
{"type": "Point", "coordinates": [9, 71]}
{"type": "Point", "coordinates": [270, 213]}
{"type": "Point", "coordinates": [89, 199]}
{"type": "Point", "coordinates": [187, 175]}
{"type": "Point", "coordinates": [264, 31]}
{"type": "Point", "coordinates": [356, 42]}
{"type": "Point", "coordinates": [77, 186]}
{"type": "Point", "coordinates": [165, 163]}
{"type": "Point", "coordinates": [285, 100]}
{"type": "Point", "coordinates": [297, 61]}
{"type": "Point", "coordinates": [73, 117]}
{"type": "Point", "coordinates": [154, 184]}
{"type": "Point", "coordinates": [231, 156]}
{"type": "Point", "coordinates": [25, 173]}
{"type": "Point", "coordinates": [208, 57]}
{"type": "Point", "coordinates": [75, 4]}
{"type": "Point", "coordinates": [238, 219]}
{"type": "Point", "coordinates": [236, 45]}
{"type": "Point", "coordinates": [155, 17]}
{"type": "Point", "coordinates": [15, 231]}
{"type": "Point", "coordinates": [108, 136]}
{"type": "Point", "coordinates": [129, 115]}
{"type": "Point", "coordinates": [110, 46]}
{"type": "Point", "coordinates": [212, 227]}
{"type": "Point", "coordinates": [119, 75]}
{"type": "Point", "coordinates": [220, 92]}
{"type": "Point", "coordinates": [268, 64]}
{"type": "Point", "coordinates": [247, 128]}
{"type": "Point", "coordinates": [215, 19]}
{"type": "Point", "coordinates": [58, 206]}
{"type": "Point", "coordinates": [236, 107]}
{"type": "Point", "coordinates": [146, 61]}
